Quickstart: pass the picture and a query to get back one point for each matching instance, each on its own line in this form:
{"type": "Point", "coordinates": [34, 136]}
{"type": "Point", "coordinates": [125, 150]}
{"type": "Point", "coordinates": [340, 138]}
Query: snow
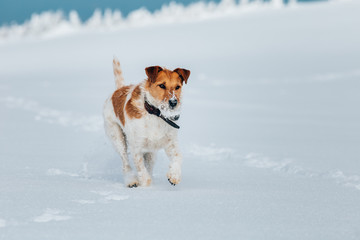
{"type": "Point", "coordinates": [53, 116]}
{"type": "Point", "coordinates": [51, 24]}
{"type": "Point", "coordinates": [2, 223]}
{"type": "Point", "coordinates": [51, 215]}
{"type": "Point", "coordinates": [269, 128]}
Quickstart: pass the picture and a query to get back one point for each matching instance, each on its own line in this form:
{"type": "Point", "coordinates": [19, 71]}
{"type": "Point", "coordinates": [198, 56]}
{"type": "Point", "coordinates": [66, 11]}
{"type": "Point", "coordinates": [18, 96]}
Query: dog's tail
{"type": "Point", "coordinates": [119, 78]}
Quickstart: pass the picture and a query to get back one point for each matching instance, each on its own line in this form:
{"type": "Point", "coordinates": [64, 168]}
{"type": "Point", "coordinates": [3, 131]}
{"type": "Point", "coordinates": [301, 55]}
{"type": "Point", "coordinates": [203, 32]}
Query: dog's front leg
{"type": "Point", "coordinates": [143, 175]}
{"type": "Point", "coordinates": [174, 173]}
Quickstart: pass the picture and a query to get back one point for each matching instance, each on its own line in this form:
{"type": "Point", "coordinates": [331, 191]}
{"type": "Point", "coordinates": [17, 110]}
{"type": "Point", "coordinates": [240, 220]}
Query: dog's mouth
{"type": "Point", "coordinates": [172, 113]}
{"type": "Point", "coordinates": [175, 118]}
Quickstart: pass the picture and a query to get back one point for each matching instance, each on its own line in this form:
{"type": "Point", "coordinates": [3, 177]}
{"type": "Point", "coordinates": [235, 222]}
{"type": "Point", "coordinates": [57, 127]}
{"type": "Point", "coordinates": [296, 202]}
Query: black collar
{"type": "Point", "coordinates": [155, 111]}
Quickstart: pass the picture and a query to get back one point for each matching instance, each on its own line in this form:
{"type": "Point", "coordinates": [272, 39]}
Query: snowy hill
{"type": "Point", "coordinates": [270, 128]}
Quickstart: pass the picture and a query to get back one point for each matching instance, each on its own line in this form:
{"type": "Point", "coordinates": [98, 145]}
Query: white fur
{"type": "Point", "coordinates": [144, 136]}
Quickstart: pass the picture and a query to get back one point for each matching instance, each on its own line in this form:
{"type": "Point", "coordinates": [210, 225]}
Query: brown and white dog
{"type": "Point", "coordinates": [142, 117]}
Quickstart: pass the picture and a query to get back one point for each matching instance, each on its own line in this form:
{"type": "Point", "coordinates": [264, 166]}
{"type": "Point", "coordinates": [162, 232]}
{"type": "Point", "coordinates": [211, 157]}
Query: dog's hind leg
{"type": "Point", "coordinates": [118, 139]}
{"type": "Point", "coordinates": [149, 159]}
{"type": "Point", "coordinates": [143, 174]}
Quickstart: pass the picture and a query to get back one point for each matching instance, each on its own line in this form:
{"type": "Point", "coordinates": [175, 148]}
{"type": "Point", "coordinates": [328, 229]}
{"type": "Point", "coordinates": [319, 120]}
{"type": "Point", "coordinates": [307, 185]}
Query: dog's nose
{"type": "Point", "coordinates": [173, 103]}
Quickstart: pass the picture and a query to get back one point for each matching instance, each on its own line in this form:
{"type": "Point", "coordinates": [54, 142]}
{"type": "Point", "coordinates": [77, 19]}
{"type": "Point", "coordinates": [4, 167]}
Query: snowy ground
{"type": "Point", "coordinates": [270, 130]}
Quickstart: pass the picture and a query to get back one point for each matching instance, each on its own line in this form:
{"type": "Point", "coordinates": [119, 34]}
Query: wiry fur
{"type": "Point", "coordinates": [119, 78]}
{"type": "Point", "coordinates": [129, 126]}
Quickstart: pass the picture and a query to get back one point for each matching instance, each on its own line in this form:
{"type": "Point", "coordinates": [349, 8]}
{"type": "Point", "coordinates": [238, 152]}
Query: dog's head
{"type": "Point", "coordinates": [164, 87]}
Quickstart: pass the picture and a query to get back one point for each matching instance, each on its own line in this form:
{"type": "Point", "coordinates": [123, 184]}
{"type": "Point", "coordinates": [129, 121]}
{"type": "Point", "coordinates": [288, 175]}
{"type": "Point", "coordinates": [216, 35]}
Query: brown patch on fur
{"type": "Point", "coordinates": [183, 73]}
{"type": "Point", "coordinates": [118, 101]}
{"type": "Point", "coordinates": [132, 109]}
{"type": "Point", "coordinates": [152, 72]}
{"type": "Point", "coordinates": [137, 92]}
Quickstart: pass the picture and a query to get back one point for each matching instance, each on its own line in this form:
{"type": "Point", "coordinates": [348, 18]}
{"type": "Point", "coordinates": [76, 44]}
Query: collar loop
{"type": "Point", "coordinates": [155, 111]}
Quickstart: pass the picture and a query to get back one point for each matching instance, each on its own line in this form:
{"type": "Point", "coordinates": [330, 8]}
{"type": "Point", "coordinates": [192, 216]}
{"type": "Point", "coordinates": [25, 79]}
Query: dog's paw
{"type": "Point", "coordinates": [132, 185]}
{"type": "Point", "coordinates": [171, 182]}
{"type": "Point", "coordinates": [144, 179]}
{"type": "Point", "coordinates": [174, 177]}
{"type": "Point", "coordinates": [147, 182]}
{"type": "Point", "coordinates": [131, 180]}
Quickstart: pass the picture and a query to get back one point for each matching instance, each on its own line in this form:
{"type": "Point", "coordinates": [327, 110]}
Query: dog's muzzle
{"type": "Point", "coordinates": [175, 118]}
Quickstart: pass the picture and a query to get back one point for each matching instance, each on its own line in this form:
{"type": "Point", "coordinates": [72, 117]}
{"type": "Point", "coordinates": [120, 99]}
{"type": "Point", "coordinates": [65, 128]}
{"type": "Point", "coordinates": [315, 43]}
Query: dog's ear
{"type": "Point", "coordinates": [152, 72]}
{"type": "Point", "coordinates": [183, 73]}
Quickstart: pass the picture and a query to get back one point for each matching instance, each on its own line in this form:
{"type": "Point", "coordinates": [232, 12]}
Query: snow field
{"type": "Point", "coordinates": [269, 130]}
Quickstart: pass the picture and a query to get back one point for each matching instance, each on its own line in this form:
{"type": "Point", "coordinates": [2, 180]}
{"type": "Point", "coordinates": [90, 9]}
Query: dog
{"type": "Point", "coordinates": [143, 118]}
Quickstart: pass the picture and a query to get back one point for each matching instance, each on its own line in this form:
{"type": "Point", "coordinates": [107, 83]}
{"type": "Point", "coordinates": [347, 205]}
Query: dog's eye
{"type": "Point", "coordinates": [177, 87]}
{"type": "Point", "coordinates": [162, 86]}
